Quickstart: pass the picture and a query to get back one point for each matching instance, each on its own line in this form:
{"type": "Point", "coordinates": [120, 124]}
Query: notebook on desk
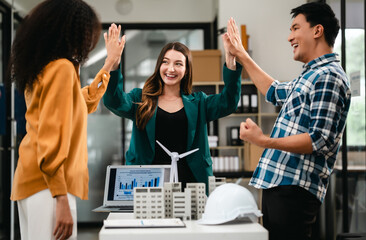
{"type": "Point", "coordinates": [122, 179]}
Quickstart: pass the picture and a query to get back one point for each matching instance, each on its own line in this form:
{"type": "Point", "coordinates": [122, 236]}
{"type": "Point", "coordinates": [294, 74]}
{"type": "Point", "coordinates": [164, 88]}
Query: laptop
{"type": "Point", "coordinates": [122, 179]}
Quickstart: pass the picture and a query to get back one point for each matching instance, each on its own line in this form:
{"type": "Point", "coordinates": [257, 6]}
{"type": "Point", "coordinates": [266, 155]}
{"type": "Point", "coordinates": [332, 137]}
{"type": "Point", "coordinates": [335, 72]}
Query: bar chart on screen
{"type": "Point", "coordinates": [127, 180]}
{"type": "Point", "coordinates": [131, 185]}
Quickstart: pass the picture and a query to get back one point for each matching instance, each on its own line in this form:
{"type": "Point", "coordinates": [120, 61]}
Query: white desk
{"type": "Point", "coordinates": [192, 231]}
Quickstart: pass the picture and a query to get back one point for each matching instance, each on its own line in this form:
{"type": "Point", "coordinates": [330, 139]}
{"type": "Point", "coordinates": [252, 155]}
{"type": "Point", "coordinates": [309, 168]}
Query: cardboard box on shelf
{"type": "Point", "coordinates": [206, 65]}
{"type": "Point", "coordinates": [252, 157]}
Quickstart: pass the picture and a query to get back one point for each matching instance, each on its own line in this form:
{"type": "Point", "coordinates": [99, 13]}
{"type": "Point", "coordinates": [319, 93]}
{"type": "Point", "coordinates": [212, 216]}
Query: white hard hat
{"type": "Point", "coordinates": [229, 202]}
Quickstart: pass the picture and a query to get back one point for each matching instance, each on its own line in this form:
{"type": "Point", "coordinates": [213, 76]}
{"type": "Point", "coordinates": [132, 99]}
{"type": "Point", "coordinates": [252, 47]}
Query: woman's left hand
{"type": "Point", "coordinates": [114, 46]}
{"type": "Point", "coordinates": [229, 58]}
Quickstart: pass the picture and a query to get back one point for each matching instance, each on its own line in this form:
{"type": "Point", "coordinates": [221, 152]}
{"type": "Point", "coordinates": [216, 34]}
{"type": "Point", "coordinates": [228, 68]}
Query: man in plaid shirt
{"type": "Point", "coordinates": [300, 153]}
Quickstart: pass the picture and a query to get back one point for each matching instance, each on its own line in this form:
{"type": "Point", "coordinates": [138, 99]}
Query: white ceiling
{"type": "Point", "coordinates": [142, 11]}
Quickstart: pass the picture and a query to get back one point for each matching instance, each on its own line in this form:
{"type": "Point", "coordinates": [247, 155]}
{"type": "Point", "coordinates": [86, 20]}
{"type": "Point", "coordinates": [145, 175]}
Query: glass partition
{"type": "Point", "coordinates": [355, 220]}
{"type": "Point", "coordinates": [104, 140]}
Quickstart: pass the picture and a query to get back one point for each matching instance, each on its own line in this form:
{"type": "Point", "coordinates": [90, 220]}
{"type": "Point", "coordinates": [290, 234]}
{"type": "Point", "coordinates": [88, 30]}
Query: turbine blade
{"type": "Point", "coordinates": [164, 148]}
{"type": "Point", "coordinates": [187, 153]}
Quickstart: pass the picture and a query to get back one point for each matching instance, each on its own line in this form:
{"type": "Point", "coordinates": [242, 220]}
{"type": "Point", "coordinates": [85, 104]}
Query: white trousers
{"type": "Point", "coordinates": [37, 216]}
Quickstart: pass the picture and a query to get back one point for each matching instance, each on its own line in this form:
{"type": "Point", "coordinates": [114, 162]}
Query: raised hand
{"type": "Point", "coordinates": [229, 58]}
{"type": "Point", "coordinates": [114, 46]}
{"type": "Point", "coordinates": [233, 42]}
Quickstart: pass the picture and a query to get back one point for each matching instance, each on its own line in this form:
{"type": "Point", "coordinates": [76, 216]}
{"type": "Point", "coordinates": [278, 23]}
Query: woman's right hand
{"type": "Point", "coordinates": [114, 47]}
{"type": "Point", "coordinates": [64, 221]}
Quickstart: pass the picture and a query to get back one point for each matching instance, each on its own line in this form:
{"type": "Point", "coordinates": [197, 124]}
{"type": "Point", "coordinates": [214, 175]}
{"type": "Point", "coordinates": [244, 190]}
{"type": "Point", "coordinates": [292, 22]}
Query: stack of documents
{"type": "Point", "coordinates": [144, 223]}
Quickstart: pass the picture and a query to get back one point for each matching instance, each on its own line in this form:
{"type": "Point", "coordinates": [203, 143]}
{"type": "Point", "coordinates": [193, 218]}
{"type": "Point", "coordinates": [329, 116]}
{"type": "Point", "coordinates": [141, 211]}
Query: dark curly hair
{"type": "Point", "coordinates": [320, 13]}
{"type": "Point", "coordinates": [53, 29]}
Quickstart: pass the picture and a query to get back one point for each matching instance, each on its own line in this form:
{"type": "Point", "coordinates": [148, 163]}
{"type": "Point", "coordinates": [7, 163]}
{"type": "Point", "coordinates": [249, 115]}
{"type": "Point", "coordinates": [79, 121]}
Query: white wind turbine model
{"type": "Point", "coordinates": [175, 158]}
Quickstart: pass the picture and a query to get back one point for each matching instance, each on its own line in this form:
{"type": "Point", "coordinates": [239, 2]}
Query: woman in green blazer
{"type": "Point", "coordinates": [166, 110]}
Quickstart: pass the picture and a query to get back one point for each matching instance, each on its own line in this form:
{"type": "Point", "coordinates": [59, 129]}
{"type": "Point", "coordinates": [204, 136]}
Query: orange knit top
{"type": "Point", "coordinates": [53, 153]}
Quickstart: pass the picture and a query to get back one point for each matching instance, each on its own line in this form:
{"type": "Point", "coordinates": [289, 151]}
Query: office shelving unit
{"type": "Point", "coordinates": [264, 116]}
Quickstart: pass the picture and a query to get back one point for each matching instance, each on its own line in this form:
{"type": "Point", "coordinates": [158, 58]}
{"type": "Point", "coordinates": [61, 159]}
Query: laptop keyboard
{"type": "Point", "coordinates": [121, 207]}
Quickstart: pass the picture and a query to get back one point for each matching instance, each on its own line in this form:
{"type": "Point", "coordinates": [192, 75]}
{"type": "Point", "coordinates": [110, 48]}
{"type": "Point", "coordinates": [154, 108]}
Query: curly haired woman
{"type": "Point", "coordinates": [52, 42]}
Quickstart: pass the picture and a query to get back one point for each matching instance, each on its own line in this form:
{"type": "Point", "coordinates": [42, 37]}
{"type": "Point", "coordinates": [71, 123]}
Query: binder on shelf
{"type": "Point", "coordinates": [246, 103]}
{"type": "Point", "coordinates": [215, 164]}
{"type": "Point", "coordinates": [254, 103]}
{"type": "Point", "coordinates": [233, 136]}
{"type": "Point", "coordinates": [236, 164]}
{"type": "Point", "coordinates": [239, 108]}
{"type": "Point", "coordinates": [212, 141]}
{"type": "Point", "coordinates": [225, 164]}
{"type": "Point", "coordinates": [220, 164]}
{"type": "Point", "coordinates": [211, 128]}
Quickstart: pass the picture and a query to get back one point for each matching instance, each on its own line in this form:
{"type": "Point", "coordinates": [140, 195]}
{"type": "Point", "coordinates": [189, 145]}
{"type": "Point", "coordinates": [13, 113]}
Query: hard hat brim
{"type": "Point", "coordinates": [213, 221]}
{"type": "Point", "coordinates": [250, 216]}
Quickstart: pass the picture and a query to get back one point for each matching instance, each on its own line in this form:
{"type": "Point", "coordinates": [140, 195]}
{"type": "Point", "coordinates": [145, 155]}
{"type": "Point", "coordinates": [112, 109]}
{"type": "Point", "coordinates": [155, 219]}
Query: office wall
{"type": "Point", "coordinates": [158, 11]}
{"type": "Point", "coordinates": [268, 23]}
{"type": "Point", "coordinates": [143, 10]}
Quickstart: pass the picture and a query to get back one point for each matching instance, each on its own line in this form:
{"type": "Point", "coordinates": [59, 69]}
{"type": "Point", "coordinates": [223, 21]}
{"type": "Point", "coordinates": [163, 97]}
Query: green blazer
{"type": "Point", "coordinates": [200, 109]}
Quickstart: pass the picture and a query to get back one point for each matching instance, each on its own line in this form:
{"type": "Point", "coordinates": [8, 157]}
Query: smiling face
{"type": "Point", "coordinates": [173, 68]}
{"type": "Point", "coordinates": [302, 39]}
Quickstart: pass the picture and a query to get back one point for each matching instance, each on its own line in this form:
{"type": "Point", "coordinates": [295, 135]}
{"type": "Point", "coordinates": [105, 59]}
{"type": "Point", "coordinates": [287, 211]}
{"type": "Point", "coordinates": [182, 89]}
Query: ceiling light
{"type": "Point", "coordinates": [124, 7]}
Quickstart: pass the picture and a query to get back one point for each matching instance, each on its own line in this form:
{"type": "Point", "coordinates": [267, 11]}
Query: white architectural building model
{"type": "Point", "coordinates": [148, 202]}
{"type": "Point", "coordinates": [182, 204]}
{"type": "Point", "coordinates": [169, 189]}
{"type": "Point", "coordinates": [198, 199]}
{"type": "Point", "coordinates": [170, 202]}
{"type": "Point", "coordinates": [214, 182]}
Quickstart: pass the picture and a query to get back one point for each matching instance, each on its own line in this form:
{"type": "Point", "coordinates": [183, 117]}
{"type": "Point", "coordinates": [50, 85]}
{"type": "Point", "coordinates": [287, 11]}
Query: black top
{"type": "Point", "coordinates": [171, 131]}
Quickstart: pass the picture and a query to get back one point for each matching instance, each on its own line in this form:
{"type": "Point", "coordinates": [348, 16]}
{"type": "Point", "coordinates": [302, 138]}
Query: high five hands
{"type": "Point", "coordinates": [232, 40]}
{"type": "Point", "coordinates": [114, 45]}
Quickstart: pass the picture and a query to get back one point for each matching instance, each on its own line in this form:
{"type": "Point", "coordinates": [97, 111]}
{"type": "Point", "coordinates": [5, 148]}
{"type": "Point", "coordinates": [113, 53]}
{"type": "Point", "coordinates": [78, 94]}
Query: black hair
{"type": "Point", "coordinates": [54, 29]}
{"type": "Point", "coordinates": [320, 13]}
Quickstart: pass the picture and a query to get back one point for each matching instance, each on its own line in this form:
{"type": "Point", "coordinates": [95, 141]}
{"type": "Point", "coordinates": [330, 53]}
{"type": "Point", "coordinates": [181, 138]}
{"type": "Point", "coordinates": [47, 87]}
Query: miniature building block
{"type": "Point", "coordinates": [169, 189]}
{"type": "Point", "coordinates": [182, 204]}
{"type": "Point", "coordinates": [148, 202]}
{"type": "Point", "coordinates": [170, 202]}
{"type": "Point", "coordinates": [214, 182]}
{"type": "Point", "coordinates": [198, 199]}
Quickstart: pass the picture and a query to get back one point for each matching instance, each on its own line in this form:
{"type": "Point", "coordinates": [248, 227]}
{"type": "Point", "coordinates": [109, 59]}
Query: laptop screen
{"type": "Point", "coordinates": [124, 178]}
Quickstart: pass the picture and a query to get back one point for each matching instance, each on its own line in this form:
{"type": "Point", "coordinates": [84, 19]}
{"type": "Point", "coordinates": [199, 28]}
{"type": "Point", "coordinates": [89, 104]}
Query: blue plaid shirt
{"type": "Point", "coordinates": [317, 103]}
